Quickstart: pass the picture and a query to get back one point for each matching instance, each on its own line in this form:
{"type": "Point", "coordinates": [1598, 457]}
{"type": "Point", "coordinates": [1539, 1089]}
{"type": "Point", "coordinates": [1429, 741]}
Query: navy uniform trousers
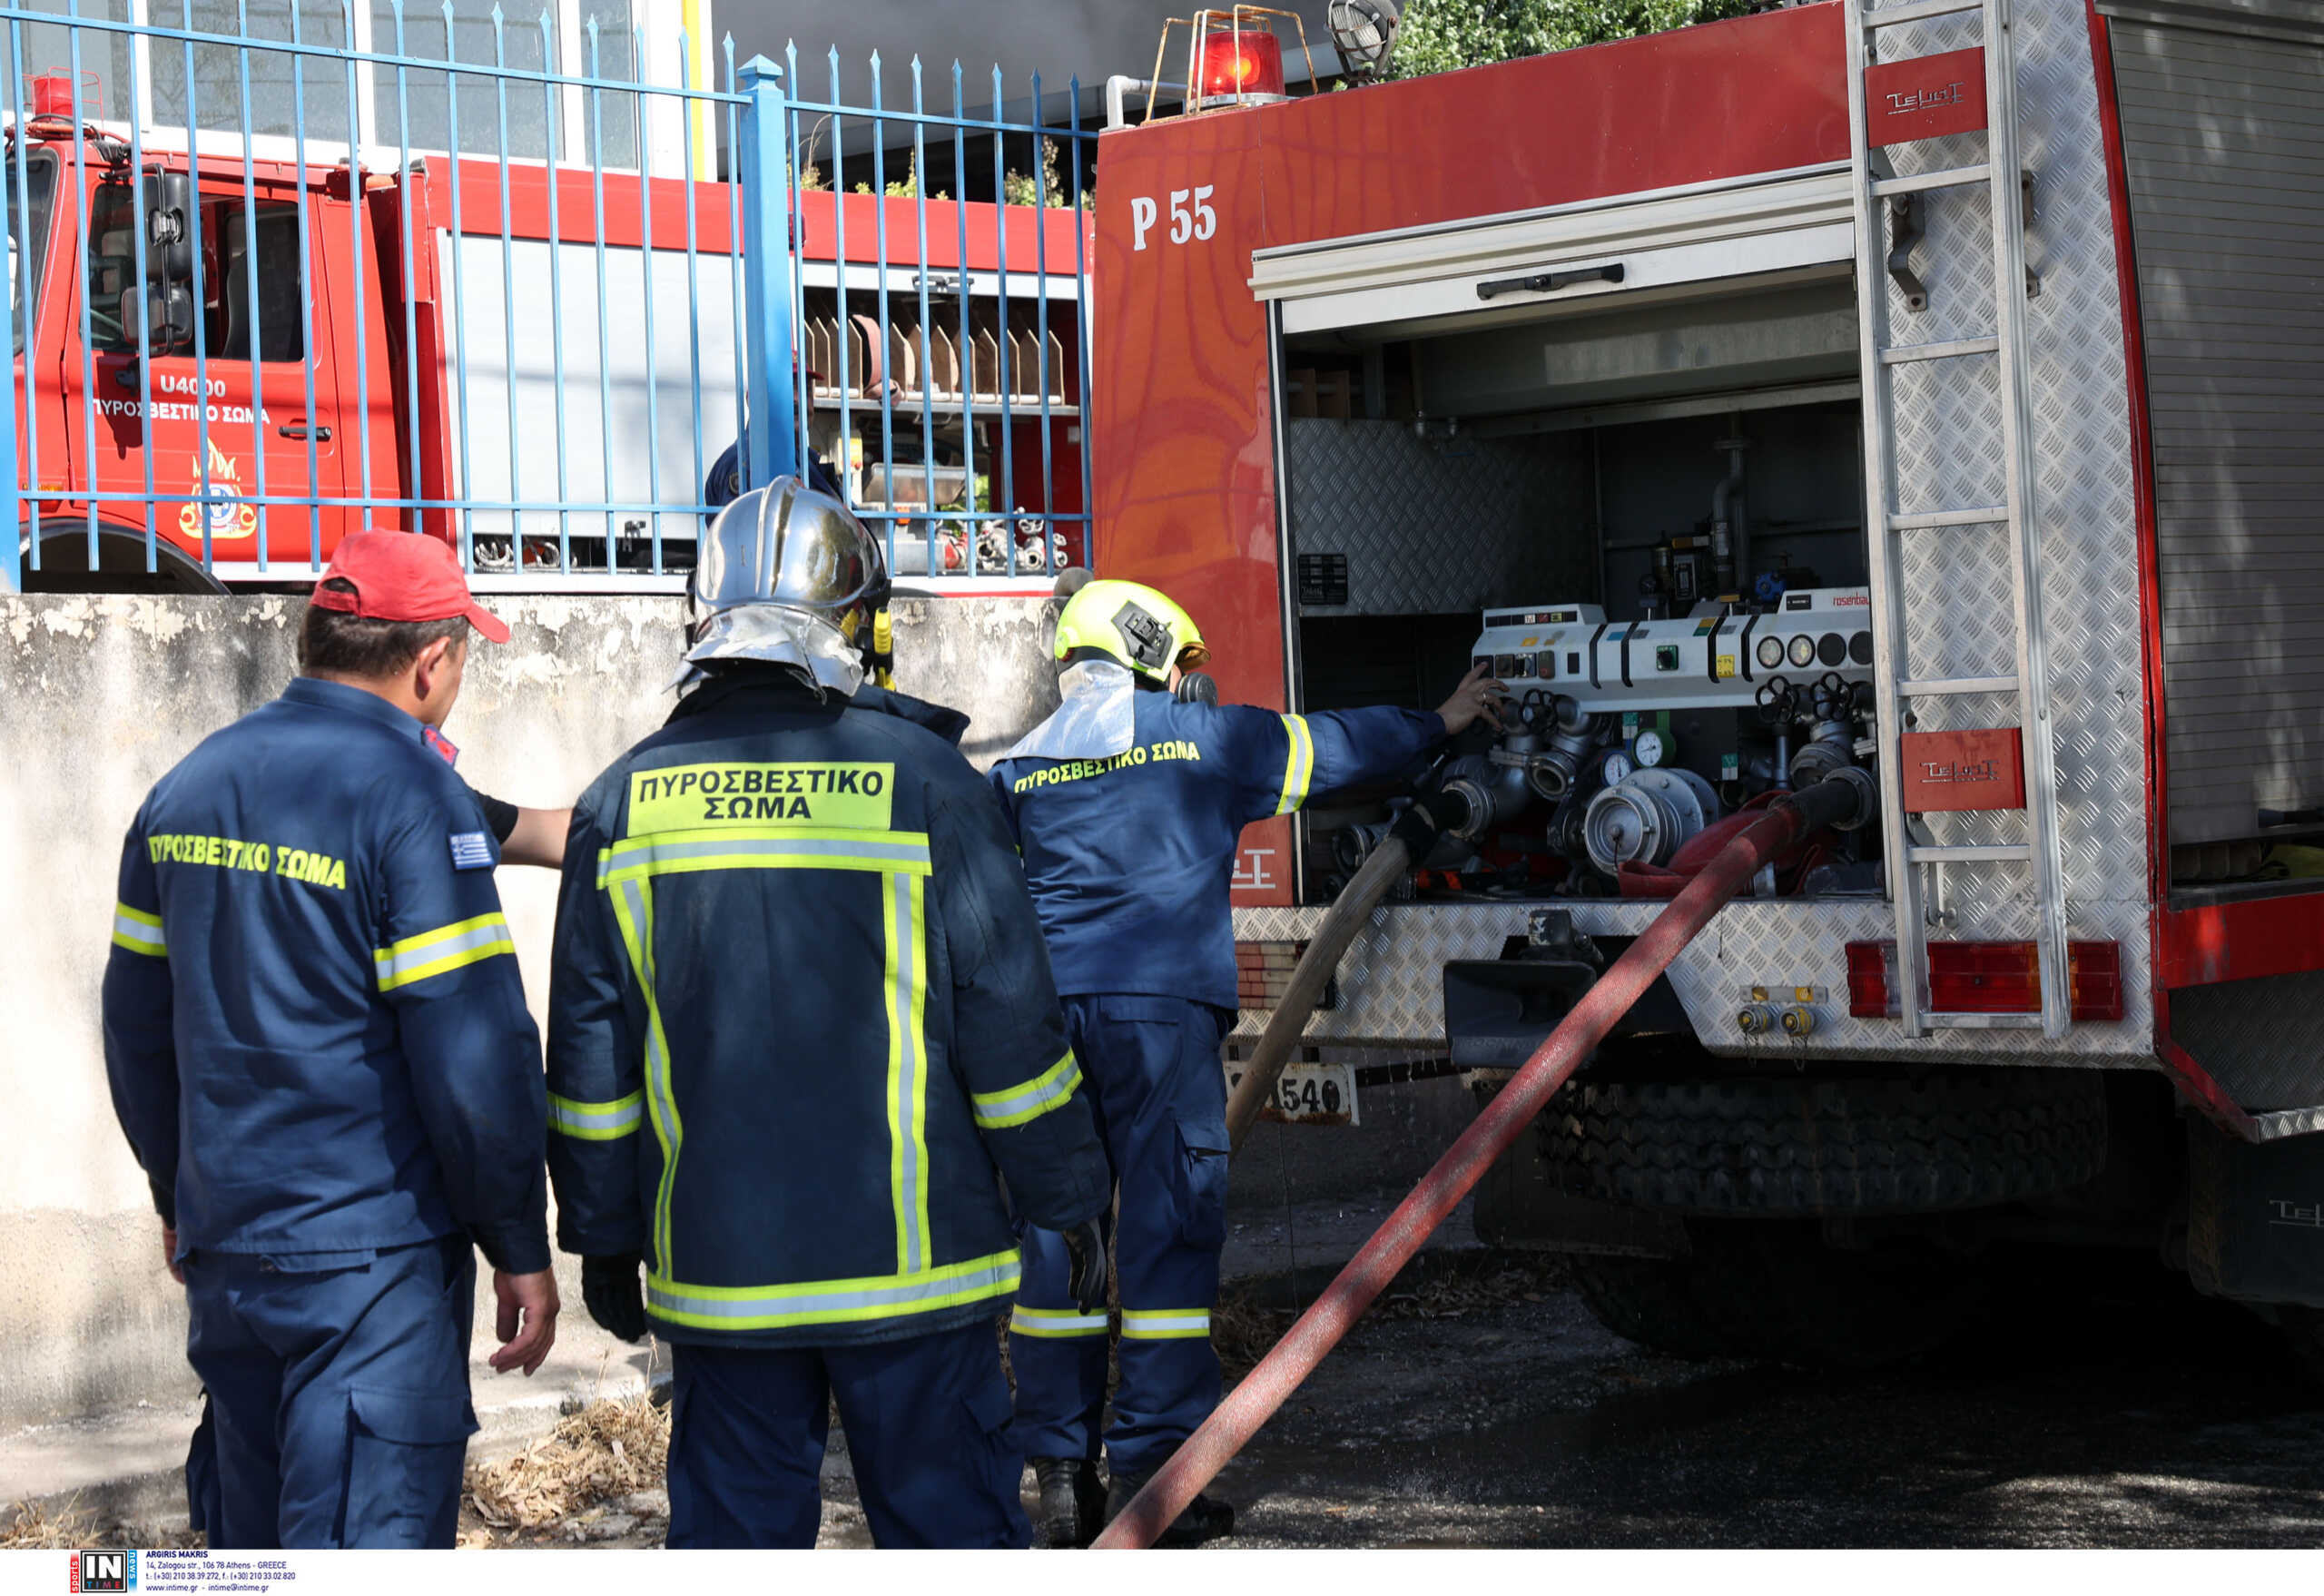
{"type": "Point", "coordinates": [927, 1426]}
{"type": "Point", "coordinates": [338, 1411]}
{"type": "Point", "coordinates": [1152, 1068]}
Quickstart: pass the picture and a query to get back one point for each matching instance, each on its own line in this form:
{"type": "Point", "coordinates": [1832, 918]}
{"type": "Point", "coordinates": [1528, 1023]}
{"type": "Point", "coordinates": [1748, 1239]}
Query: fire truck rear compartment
{"type": "Point", "coordinates": [1646, 518]}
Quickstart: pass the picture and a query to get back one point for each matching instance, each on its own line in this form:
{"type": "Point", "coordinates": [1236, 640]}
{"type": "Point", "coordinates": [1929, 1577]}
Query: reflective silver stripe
{"type": "Point", "coordinates": [406, 959]}
{"type": "Point", "coordinates": [601, 1120]}
{"type": "Point", "coordinates": [658, 1063]}
{"type": "Point", "coordinates": [1055, 1324]}
{"type": "Point", "coordinates": [999, 1110]}
{"type": "Point", "coordinates": [652, 854]}
{"type": "Point", "coordinates": [823, 1301]}
{"type": "Point", "coordinates": [1161, 1323]}
{"type": "Point", "coordinates": [909, 1145]}
{"type": "Point", "coordinates": [138, 933]}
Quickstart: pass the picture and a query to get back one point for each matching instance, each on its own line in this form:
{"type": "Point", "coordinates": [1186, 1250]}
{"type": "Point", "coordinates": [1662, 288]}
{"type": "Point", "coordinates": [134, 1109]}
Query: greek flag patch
{"type": "Point", "coordinates": [472, 850]}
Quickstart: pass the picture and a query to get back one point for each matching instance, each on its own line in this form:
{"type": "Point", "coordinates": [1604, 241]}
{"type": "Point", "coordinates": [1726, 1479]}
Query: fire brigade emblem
{"type": "Point", "coordinates": [226, 518]}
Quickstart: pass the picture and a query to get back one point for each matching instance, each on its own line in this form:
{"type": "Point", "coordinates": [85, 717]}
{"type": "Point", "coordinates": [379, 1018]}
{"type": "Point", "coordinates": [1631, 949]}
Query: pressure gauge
{"type": "Point", "coordinates": [1616, 766]}
{"type": "Point", "coordinates": [1648, 749]}
{"type": "Point", "coordinates": [1803, 650]}
{"type": "Point", "coordinates": [1771, 652]}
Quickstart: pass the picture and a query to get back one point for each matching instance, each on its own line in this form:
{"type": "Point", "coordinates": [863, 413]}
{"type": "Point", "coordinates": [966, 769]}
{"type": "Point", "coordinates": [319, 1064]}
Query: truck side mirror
{"type": "Point", "coordinates": [168, 226]}
{"type": "Point", "coordinates": [169, 316]}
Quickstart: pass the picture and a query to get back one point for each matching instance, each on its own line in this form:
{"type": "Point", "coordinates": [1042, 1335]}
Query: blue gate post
{"type": "Point", "coordinates": [12, 559]}
{"type": "Point", "coordinates": [771, 425]}
{"type": "Point", "coordinates": [12, 497]}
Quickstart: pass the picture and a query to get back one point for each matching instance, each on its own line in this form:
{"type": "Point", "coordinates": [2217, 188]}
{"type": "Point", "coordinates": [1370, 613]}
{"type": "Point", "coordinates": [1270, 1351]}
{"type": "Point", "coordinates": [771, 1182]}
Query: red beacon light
{"type": "Point", "coordinates": [1243, 68]}
{"type": "Point", "coordinates": [1233, 57]}
{"type": "Point", "coordinates": [48, 101]}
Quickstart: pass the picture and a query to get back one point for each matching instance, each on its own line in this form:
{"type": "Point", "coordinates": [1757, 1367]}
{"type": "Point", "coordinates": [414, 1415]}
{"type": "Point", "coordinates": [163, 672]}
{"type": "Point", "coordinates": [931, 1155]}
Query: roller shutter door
{"type": "Point", "coordinates": [2223, 142]}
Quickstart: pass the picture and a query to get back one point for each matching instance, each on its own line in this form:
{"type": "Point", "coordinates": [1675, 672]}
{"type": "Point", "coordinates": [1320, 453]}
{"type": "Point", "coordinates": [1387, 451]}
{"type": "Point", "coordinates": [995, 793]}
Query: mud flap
{"type": "Point", "coordinates": [2255, 1220]}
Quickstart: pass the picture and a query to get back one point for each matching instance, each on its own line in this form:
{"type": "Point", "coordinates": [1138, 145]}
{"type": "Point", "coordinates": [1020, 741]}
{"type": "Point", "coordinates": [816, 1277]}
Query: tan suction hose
{"type": "Point", "coordinates": [1313, 973]}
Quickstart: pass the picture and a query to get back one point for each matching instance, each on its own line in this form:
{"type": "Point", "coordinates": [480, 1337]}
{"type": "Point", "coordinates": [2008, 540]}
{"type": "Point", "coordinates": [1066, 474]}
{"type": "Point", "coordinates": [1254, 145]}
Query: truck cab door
{"type": "Point", "coordinates": [235, 400]}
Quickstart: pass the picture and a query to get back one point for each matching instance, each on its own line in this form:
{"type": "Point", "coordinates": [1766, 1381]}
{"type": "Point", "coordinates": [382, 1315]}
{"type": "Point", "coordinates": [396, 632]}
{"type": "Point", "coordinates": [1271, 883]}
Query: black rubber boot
{"type": "Point", "coordinates": [1071, 1502]}
{"type": "Point", "coordinates": [1206, 1518]}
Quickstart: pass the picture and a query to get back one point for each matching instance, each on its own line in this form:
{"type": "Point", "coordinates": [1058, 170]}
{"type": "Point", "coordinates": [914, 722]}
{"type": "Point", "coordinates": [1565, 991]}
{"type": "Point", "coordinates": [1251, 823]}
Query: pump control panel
{"type": "Point", "coordinates": [1710, 659]}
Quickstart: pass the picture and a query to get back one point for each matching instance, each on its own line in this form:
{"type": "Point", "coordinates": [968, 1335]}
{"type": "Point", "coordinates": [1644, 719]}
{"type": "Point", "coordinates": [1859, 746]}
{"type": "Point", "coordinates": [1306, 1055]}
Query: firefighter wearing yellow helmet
{"type": "Point", "coordinates": [1128, 804]}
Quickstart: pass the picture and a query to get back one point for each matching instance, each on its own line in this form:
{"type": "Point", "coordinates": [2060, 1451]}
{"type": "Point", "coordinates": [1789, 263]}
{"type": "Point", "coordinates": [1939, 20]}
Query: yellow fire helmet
{"type": "Point", "coordinates": [1131, 625]}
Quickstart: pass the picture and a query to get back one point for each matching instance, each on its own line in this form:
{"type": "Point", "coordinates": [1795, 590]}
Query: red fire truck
{"type": "Point", "coordinates": [1926, 393]}
{"type": "Point", "coordinates": [429, 354]}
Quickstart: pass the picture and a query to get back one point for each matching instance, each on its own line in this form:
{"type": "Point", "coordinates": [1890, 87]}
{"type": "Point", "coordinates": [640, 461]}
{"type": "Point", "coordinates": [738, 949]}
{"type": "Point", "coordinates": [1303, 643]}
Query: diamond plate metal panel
{"type": "Point", "coordinates": [2262, 1041]}
{"type": "Point", "coordinates": [1438, 525]}
{"type": "Point", "coordinates": [1391, 982]}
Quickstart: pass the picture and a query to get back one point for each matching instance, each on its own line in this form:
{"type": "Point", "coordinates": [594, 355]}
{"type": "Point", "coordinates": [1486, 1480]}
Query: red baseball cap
{"type": "Point", "coordinates": [403, 576]}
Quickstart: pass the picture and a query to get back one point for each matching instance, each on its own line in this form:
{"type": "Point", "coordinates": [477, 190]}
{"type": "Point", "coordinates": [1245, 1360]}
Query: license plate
{"type": "Point", "coordinates": [1306, 1094]}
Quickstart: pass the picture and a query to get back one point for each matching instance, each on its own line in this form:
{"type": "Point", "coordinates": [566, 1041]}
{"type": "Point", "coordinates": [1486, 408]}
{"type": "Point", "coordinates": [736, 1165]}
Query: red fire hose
{"type": "Point", "coordinates": [1842, 800]}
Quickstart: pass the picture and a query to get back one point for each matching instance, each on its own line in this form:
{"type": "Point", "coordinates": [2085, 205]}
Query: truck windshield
{"type": "Point", "coordinates": [27, 223]}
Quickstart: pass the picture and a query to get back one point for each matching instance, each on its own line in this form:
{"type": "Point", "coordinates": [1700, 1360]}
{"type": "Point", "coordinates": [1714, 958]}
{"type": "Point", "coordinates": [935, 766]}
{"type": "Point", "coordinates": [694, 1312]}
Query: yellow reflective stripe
{"type": "Point", "coordinates": [831, 1302]}
{"type": "Point", "coordinates": [138, 931]}
{"type": "Point", "coordinates": [634, 912]}
{"type": "Point", "coordinates": [1050, 1090]}
{"type": "Point", "coordinates": [1298, 764]}
{"type": "Point", "coordinates": [1166, 1324]}
{"type": "Point", "coordinates": [442, 950]}
{"type": "Point", "coordinates": [763, 848]}
{"type": "Point", "coordinates": [1055, 1324]}
{"type": "Point", "coordinates": [596, 1121]}
{"type": "Point", "coordinates": [906, 988]}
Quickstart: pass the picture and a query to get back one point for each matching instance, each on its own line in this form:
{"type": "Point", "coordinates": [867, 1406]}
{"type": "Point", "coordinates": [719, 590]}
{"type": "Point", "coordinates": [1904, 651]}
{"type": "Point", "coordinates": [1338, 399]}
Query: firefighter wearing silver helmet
{"type": "Point", "coordinates": [799, 1015]}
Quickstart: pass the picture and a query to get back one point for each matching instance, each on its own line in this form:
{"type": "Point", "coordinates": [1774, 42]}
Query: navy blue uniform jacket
{"type": "Point", "coordinates": [1130, 857]}
{"type": "Point", "coordinates": [798, 1014]}
{"type": "Point", "coordinates": [314, 1030]}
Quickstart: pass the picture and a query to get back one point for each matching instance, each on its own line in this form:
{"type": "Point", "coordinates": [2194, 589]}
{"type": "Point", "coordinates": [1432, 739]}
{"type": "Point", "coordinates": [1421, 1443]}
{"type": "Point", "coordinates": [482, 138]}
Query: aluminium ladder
{"type": "Point", "coordinates": [1896, 685]}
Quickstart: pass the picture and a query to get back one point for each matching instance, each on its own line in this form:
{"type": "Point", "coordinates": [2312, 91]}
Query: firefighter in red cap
{"type": "Point", "coordinates": [319, 1048]}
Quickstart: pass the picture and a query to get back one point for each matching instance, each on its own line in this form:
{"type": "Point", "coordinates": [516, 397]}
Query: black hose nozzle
{"type": "Point", "coordinates": [1433, 812]}
{"type": "Point", "coordinates": [1844, 800]}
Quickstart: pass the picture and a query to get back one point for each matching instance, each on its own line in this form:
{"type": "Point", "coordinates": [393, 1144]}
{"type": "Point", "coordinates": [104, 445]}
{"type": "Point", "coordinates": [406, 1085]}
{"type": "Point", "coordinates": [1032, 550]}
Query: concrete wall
{"type": "Point", "coordinates": [98, 697]}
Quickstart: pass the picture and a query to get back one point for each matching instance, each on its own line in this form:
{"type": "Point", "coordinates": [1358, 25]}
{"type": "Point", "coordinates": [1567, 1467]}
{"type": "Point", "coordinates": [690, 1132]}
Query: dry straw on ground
{"type": "Point", "coordinates": [36, 1528]}
{"type": "Point", "coordinates": [608, 1449]}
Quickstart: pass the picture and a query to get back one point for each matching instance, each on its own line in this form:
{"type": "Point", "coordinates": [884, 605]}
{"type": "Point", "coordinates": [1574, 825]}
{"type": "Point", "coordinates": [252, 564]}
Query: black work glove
{"type": "Point", "coordinates": [610, 1291]}
{"type": "Point", "coordinates": [1085, 1244]}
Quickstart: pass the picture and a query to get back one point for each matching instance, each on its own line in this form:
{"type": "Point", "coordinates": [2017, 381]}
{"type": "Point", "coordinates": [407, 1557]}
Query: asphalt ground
{"type": "Point", "coordinates": [2101, 1404]}
{"type": "Point", "coordinates": [2104, 1407]}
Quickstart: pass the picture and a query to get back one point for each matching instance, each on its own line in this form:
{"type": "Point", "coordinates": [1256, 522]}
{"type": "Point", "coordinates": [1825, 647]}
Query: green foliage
{"type": "Point", "coordinates": [1440, 35]}
{"type": "Point", "coordinates": [906, 186]}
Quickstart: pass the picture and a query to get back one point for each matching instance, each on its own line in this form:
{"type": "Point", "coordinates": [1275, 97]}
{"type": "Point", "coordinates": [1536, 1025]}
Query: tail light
{"type": "Point", "coordinates": [1239, 66]}
{"type": "Point", "coordinates": [1987, 978]}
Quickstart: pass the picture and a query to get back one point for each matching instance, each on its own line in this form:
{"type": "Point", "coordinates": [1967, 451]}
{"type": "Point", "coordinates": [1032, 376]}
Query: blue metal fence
{"type": "Point", "coordinates": [278, 273]}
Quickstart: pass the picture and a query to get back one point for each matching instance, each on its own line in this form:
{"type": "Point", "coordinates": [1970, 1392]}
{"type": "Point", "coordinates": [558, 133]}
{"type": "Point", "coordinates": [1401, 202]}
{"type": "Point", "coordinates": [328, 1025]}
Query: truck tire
{"type": "Point", "coordinates": [1772, 1290]}
{"type": "Point", "coordinates": [1674, 1305]}
{"type": "Point", "coordinates": [1960, 1139]}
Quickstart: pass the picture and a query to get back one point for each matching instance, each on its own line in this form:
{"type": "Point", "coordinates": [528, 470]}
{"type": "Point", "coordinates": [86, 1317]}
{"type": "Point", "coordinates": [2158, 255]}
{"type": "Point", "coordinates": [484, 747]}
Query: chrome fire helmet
{"type": "Point", "coordinates": [788, 576]}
